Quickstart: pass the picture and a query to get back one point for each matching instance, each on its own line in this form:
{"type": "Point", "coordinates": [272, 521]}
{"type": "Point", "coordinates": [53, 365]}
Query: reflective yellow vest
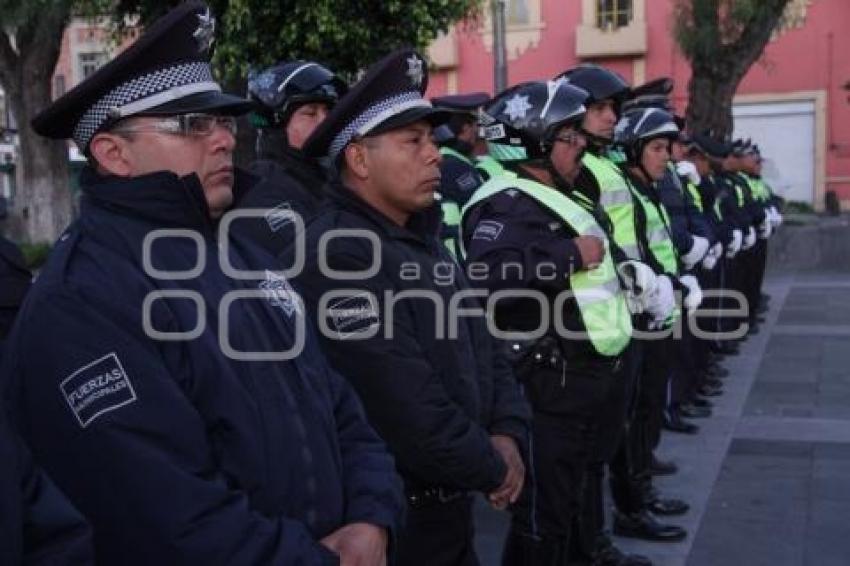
{"type": "Point", "coordinates": [658, 232]}
{"type": "Point", "coordinates": [616, 200]}
{"type": "Point", "coordinates": [490, 168]}
{"type": "Point", "coordinates": [597, 292]}
{"type": "Point", "coordinates": [451, 210]}
{"type": "Point", "coordinates": [695, 195]}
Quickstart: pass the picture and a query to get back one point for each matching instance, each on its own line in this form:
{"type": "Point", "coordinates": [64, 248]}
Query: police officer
{"type": "Point", "coordinates": [292, 99]}
{"type": "Point", "coordinates": [183, 434]}
{"type": "Point", "coordinates": [646, 135]}
{"type": "Point", "coordinates": [692, 238]}
{"type": "Point", "coordinates": [533, 219]}
{"type": "Point", "coordinates": [719, 201]}
{"type": "Point", "coordinates": [750, 169]}
{"type": "Point", "coordinates": [458, 140]}
{"type": "Point", "coordinates": [37, 521]}
{"type": "Point", "coordinates": [386, 291]}
{"type": "Point", "coordinates": [604, 183]}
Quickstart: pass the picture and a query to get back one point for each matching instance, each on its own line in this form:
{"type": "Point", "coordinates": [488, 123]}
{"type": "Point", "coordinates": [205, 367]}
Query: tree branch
{"type": "Point", "coordinates": [9, 61]}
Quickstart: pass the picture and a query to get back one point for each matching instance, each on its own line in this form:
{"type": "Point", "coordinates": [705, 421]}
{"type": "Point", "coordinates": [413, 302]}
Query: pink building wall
{"type": "Point", "coordinates": [809, 58]}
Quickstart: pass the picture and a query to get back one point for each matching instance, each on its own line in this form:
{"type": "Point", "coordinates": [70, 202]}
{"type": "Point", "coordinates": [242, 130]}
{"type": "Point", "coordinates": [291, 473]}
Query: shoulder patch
{"type": "Point", "coordinates": [280, 293]}
{"type": "Point", "coordinates": [468, 181]}
{"type": "Point", "coordinates": [279, 216]}
{"type": "Point", "coordinates": [354, 314]}
{"type": "Point", "coordinates": [96, 388]}
{"type": "Point", "coordinates": [488, 230]}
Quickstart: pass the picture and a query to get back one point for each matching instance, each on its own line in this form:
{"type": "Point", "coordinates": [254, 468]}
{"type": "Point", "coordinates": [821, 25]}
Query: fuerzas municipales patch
{"type": "Point", "coordinates": [280, 293]}
{"type": "Point", "coordinates": [488, 230]}
{"type": "Point", "coordinates": [97, 388]}
{"type": "Point", "coordinates": [355, 314]}
{"type": "Point", "coordinates": [279, 216]}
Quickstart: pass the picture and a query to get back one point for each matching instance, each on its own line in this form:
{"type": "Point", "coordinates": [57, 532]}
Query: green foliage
{"type": "Point", "coordinates": [35, 254]}
{"type": "Point", "coordinates": [346, 35]}
{"type": "Point", "coordinates": [703, 28]}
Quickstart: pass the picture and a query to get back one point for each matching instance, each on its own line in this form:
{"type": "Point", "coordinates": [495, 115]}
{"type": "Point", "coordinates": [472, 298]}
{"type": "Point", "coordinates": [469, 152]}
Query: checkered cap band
{"type": "Point", "coordinates": [400, 101]}
{"type": "Point", "coordinates": [137, 89]}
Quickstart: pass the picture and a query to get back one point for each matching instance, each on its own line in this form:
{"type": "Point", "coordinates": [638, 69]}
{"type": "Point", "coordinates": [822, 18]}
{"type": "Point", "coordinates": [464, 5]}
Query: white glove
{"type": "Point", "coordinates": [735, 245]}
{"type": "Point", "coordinates": [689, 170]}
{"type": "Point", "coordinates": [714, 254]}
{"type": "Point", "coordinates": [766, 227]}
{"type": "Point", "coordinates": [662, 301]}
{"type": "Point", "coordinates": [775, 217]}
{"type": "Point", "coordinates": [749, 239]}
{"type": "Point", "coordinates": [696, 253]}
{"type": "Point", "coordinates": [693, 296]}
{"type": "Point", "coordinates": [640, 282]}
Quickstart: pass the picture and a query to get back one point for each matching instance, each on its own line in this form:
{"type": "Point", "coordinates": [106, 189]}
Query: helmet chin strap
{"type": "Point", "coordinates": [646, 175]}
{"type": "Point", "coordinates": [597, 142]}
{"type": "Point", "coordinates": [561, 183]}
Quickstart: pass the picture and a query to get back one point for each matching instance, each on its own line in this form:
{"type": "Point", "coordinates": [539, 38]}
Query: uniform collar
{"type": "Point", "coordinates": [422, 227]}
{"type": "Point", "coordinates": [162, 197]}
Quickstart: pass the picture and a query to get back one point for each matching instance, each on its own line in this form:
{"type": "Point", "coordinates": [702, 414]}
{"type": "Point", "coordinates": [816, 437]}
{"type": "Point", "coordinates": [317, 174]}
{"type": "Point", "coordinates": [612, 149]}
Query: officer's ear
{"type": "Point", "coordinates": [109, 152]}
{"type": "Point", "coordinates": [356, 161]}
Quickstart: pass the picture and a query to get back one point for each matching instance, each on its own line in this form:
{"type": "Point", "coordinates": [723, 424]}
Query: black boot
{"type": "Point", "coordinates": [645, 526]}
{"type": "Point", "coordinates": [606, 554]}
{"type": "Point", "coordinates": [525, 550]}
{"type": "Point", "coordinates": [674, 422]}
{"type": "Point", "coordinates": [662, 467]}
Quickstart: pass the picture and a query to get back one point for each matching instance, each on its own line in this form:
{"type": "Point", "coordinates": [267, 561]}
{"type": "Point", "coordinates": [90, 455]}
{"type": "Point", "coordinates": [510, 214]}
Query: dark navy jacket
{"type": "Point", "coordinates": [38, 524]}
{"type": "Point", "coordinates": [292, 183]}
{"type": "Point", "coordinates": [511, 228]}
{"type": "Point", "coordinates": [435, 401]}
{"type": "Point", "coordinates": [15, 281]}
{"type": "Point", "coordinates": [686, 220]}
{"type": "Point", "coordinates": [176, 452]}
{"type": "Point", "coordinates": [458, 179]}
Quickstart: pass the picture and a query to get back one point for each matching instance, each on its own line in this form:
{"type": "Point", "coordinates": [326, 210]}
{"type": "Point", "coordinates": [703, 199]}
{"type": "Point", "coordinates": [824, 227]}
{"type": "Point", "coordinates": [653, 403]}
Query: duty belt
{"type": "Point", "coordinates": [433, 496]}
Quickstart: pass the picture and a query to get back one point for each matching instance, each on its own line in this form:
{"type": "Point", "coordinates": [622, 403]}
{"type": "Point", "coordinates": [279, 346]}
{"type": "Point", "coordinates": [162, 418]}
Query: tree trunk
{"type": "Point", "coordinates": [43, 190]}
{"type": "Point", "coordinates": [710, 103]}
{"type": "Point", "coordinates": [718, 65]}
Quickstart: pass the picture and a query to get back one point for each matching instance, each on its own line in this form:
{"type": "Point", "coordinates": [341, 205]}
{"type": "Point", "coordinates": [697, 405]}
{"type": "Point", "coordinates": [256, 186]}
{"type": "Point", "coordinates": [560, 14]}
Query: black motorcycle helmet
{"type": "Point", "coordinates": [600, 84]}
{"type": "Point", "coordinates": [638, 127]}
{"type": "Point", "coordinates": [279, 90]}
{"type": "Point", "coordinates": [521, 122]}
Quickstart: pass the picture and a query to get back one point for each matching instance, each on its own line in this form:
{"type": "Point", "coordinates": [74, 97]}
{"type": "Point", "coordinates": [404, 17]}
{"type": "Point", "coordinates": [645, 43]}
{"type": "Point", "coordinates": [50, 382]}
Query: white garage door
{"type": "Point", "coordinates": [785, 132]}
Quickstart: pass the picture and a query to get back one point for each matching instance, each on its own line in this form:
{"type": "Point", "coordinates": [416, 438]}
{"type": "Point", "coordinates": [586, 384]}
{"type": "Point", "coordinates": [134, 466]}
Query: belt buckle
{"type": "Point", "coordinates": [446, 496]}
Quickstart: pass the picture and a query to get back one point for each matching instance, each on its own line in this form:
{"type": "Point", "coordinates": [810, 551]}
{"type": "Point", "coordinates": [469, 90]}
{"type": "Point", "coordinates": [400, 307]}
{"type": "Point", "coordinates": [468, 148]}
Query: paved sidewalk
{"type": "Point", "coordinates": [768, 476]}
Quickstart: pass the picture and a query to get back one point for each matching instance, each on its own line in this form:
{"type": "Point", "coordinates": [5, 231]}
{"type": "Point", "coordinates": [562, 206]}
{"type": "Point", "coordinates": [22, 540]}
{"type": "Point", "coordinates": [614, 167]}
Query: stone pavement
{"type": "Point", "coordinates": [768, 476]}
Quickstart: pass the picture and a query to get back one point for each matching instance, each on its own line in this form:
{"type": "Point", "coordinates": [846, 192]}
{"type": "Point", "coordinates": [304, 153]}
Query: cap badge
{"type": "Point", "coordinates": [414, 70]}
{"type": "Point", "coordinates": [205, 33]}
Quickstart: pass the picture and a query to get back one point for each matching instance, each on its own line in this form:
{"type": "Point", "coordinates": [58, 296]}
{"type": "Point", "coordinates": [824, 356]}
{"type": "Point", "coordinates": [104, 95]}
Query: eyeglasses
{"type": "Point", "coordinates": [570, 138]}
{"type": "Point", "coordinates": [190, 125]}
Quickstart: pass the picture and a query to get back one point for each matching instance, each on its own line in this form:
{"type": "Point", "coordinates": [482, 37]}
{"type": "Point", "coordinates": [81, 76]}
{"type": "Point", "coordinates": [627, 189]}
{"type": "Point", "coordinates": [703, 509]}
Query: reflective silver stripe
{"type": "Point", "coordinates": [594, 230]}
{"type": "Point", "coordinates": [161, 98]}
{"type": "Point", "coordinates": [599, 293]}
{"type": "Point", "coordinates": [657, 235]}
{"type": "Point", "coordinates": [616, 197]}
{"type": "Point", "coordinates": [631, 251]}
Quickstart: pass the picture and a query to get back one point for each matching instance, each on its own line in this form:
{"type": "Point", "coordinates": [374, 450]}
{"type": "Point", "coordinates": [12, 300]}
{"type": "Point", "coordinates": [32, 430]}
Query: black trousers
{"type": "Point", "coordinates": [652, 394]}
{"type": "Point", "coordinates": [566, 402]}
{"type": "Point", "coordinates": [441, 534]}
{"type": "Point", "coordinates": [613, 447]}
{"type": "Point", "coordinates": [759, 264]}
{"type": "Point", "coordinates": [685, 364]}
